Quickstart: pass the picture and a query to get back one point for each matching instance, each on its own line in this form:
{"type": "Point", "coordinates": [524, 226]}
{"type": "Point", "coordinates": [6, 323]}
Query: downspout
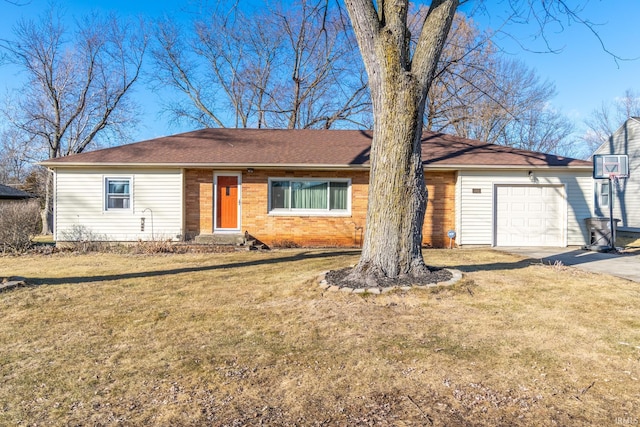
{"type": "Point", "coordinates": [183, 222]}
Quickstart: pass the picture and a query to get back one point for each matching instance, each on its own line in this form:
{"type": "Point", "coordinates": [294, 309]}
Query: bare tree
{"type": "Point", "coordinates": [16, 157]}
{"type": "Point", "coordinates": [289, 67]}
{"type": "Point", "coordinates": [606, 119]}
{"type": "Point", "coordinates": [512, 107]}
{"type": "Point", "coordinates": [327, 82]}
{"type": "Point", "coordinates": [463, 82]}
{"type": "Point", "coordinates": [78, 83]}
{"type": "Point", "coordinates": [17, 3]}
{"type": "Point", "coordinates": [400, 76]}
{"type": "Point", "coordinates": [479, 93]}
{"type": "Point", "coordinates": [541, 128]}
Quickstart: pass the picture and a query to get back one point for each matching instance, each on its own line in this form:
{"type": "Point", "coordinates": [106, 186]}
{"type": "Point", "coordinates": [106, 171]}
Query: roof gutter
{"type": "Point", "coordinates": [55, 165]}
{"type": "Point", "coordinates": [280, 166]}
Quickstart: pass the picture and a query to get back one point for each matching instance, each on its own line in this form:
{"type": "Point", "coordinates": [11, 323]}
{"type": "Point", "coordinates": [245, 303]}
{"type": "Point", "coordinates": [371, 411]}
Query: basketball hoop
{"type": "Point", "coordinates": [616, 181]}
{"type": "Point", "coordinates": [610, 165]}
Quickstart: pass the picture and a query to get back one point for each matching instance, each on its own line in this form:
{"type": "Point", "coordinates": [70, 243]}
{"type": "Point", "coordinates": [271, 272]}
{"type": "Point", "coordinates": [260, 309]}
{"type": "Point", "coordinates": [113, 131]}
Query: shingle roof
{"type": "Point", "coordinates": [7, 192]}
{"type": "Point", "coordinates": [303, 148]}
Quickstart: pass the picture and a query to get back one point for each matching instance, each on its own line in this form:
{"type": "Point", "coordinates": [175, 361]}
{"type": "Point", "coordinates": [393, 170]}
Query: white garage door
{"type": "Point", "coordinates": [529, 215]}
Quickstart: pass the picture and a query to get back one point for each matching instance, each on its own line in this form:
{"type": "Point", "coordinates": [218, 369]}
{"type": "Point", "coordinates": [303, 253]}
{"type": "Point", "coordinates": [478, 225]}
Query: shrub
{"type": "Point", "coordinates": [284, 244]}
{"type": "Point", "coordinates": [81, 239]}
{"type": "Point", "coordinates": [19, 222]}
{"type": "Point", "coordinates": [153, 247]}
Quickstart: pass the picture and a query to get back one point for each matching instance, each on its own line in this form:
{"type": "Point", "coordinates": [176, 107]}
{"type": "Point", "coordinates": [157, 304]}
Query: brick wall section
{"type": "Point", "coordinates": [304, 230]}
{"type": "Point", "coordinates": [198, 202]}
{"type": "Point", "coordinates": [312, 230]}
{"type": "Point", "coordinates": [441, 214]}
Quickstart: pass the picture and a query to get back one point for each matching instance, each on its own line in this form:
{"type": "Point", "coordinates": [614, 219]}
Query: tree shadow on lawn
{"type": "Point", "coordinates": [516, 265]}
{"type": "Point", "coordinates": [143, 274]}
{"type": "Point", "coordinates": [470, 268]}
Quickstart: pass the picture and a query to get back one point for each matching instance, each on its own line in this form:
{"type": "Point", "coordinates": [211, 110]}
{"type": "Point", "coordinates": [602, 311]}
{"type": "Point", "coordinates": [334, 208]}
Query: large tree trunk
{"type": "Point", "coordinates": [399, 83]}
{"type": "Point", "coordinates": [397, 192]}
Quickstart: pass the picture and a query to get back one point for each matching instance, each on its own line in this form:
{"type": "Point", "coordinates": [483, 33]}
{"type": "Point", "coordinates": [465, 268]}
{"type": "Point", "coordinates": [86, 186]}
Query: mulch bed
{"type": "Point", "coordinates": [338, 278]}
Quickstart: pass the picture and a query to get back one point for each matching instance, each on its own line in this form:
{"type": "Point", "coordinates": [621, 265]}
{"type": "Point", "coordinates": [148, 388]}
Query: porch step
{"type": "Point", "coordinates": [246, 240]}
{"type": "Point", "coordinates": [220, 239]}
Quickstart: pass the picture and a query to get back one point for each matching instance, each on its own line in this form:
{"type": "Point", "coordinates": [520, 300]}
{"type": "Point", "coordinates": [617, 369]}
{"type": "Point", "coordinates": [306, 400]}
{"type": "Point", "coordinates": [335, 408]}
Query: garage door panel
{"type": "Point", "coordinates": [516, 222]}
{"type": "Point", "coordinates": [536, 223]}
{"type": "Point", "coordinates": [536, 207]}
{"type": "Point", "coordinates": [529, 215]}
{"type": "Point", "coordinates": [535, 191]}
{"type": "Point", "coordinates": [518, 191]}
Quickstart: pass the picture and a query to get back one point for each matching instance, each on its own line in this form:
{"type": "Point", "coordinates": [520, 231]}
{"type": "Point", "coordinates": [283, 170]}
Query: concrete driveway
{"type": "Point", "coordinates": [625, 265]}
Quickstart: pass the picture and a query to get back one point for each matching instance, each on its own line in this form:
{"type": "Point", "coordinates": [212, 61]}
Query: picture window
{"type": "Point", "coordinates": [309, 195]}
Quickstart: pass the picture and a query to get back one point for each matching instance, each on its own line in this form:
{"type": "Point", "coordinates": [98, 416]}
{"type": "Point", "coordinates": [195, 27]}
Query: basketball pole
{"type": "Point", "coordinates": [613, 234]}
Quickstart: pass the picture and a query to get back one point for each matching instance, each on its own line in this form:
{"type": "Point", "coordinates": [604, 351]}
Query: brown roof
{"type": "Point", "coordinates": [302, 148]}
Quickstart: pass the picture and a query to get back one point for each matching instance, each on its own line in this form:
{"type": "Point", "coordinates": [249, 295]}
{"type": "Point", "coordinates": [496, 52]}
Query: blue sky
{"type": "Point", "coordinates": [583, 73]}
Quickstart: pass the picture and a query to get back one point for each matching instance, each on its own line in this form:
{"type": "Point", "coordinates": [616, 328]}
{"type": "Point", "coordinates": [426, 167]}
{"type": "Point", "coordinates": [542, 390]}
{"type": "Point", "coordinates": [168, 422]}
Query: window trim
{"type": "Point", "coordinates": [105, 193]}
{"type": "Point", "coordinates": [309, 212]}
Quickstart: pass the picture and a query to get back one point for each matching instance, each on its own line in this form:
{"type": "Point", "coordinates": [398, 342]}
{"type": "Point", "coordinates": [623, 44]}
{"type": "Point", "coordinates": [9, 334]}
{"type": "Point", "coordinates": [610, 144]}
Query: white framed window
{"type": "Point", "coordinates": [604, 193]}
{"type": "Point", "coordinates": [309, 196]}
{"type": "Point", "coordinates": [117, 195]}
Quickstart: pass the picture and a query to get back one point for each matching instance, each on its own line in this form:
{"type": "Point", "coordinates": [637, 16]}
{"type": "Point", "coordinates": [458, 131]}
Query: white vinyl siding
{"type": "Point", "coordinates": [475, 204]}
{"type": "Point", "coordinates": [626, 203]}
{"type": "Point", "coordinates": [81, 198]}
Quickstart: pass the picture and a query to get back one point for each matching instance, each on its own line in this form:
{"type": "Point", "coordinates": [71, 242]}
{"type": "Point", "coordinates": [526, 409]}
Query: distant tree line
{"type": "Point", "coordinates": [77, 88]}
{"type": "Point", "coordinates": [299, 67]}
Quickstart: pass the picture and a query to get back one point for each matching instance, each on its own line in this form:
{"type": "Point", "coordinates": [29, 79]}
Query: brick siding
{"type": "Point", "coordinates": [312, 230]}
{"type": "Point", "coordinates": [198, 198]}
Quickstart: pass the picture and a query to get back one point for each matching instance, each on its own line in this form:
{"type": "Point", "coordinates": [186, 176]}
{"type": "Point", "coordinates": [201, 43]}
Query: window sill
{"type": "Point", "coordinates": [117, 211]}
{"type": "Point", "coordinates": [328, 214]}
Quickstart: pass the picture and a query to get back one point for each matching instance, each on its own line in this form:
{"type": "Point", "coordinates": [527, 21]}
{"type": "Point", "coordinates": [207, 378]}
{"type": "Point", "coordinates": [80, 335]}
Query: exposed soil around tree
{"type": "Point", "coordinates": [437, 275]}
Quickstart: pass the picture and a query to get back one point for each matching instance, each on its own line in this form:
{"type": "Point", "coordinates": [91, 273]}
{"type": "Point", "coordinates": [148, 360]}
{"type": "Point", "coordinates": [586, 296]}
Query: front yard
{"type": "Point", "coordinates": [249, 338]}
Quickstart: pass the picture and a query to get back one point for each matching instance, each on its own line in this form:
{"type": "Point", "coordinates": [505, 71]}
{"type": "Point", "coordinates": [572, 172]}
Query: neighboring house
{"type": "Point", "coordinates": [11, 195]}
{"type": "Point", "coordinates": [310, 187]}
{"type": "Point", "coordinates": [626, 199]}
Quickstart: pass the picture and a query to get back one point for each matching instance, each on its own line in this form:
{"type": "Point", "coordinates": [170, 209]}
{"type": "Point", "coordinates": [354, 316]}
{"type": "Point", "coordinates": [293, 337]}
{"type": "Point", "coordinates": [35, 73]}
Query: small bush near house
{"type": "Point", "coordinates": [153, 247]}
{"type": "Point", "coordinates": [19, 222]}
{"type": "Point", "coordinates": [285, 244]}
{"type": "Point", "coordinates": [81, 239]}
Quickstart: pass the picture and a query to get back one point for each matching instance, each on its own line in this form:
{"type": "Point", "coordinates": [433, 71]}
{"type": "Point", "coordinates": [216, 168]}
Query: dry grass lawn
{"type": "Point", "coordinates": [250, 339]}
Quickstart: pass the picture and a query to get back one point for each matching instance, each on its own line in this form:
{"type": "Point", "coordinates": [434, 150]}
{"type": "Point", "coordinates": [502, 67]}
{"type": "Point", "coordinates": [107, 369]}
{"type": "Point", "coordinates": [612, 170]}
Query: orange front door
{"type": "Point", "coordinates": [227, 202]}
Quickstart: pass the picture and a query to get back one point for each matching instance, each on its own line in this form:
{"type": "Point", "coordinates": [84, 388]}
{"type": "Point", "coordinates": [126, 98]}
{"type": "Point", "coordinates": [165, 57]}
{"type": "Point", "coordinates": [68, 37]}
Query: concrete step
{"type": "Point", "coordinates": [220, 239]}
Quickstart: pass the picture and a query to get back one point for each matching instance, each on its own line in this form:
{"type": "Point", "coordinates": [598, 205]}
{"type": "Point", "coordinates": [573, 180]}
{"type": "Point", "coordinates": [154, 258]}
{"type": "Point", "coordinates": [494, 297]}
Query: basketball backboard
{"type": "Point", "coordinates": [608, 165]}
